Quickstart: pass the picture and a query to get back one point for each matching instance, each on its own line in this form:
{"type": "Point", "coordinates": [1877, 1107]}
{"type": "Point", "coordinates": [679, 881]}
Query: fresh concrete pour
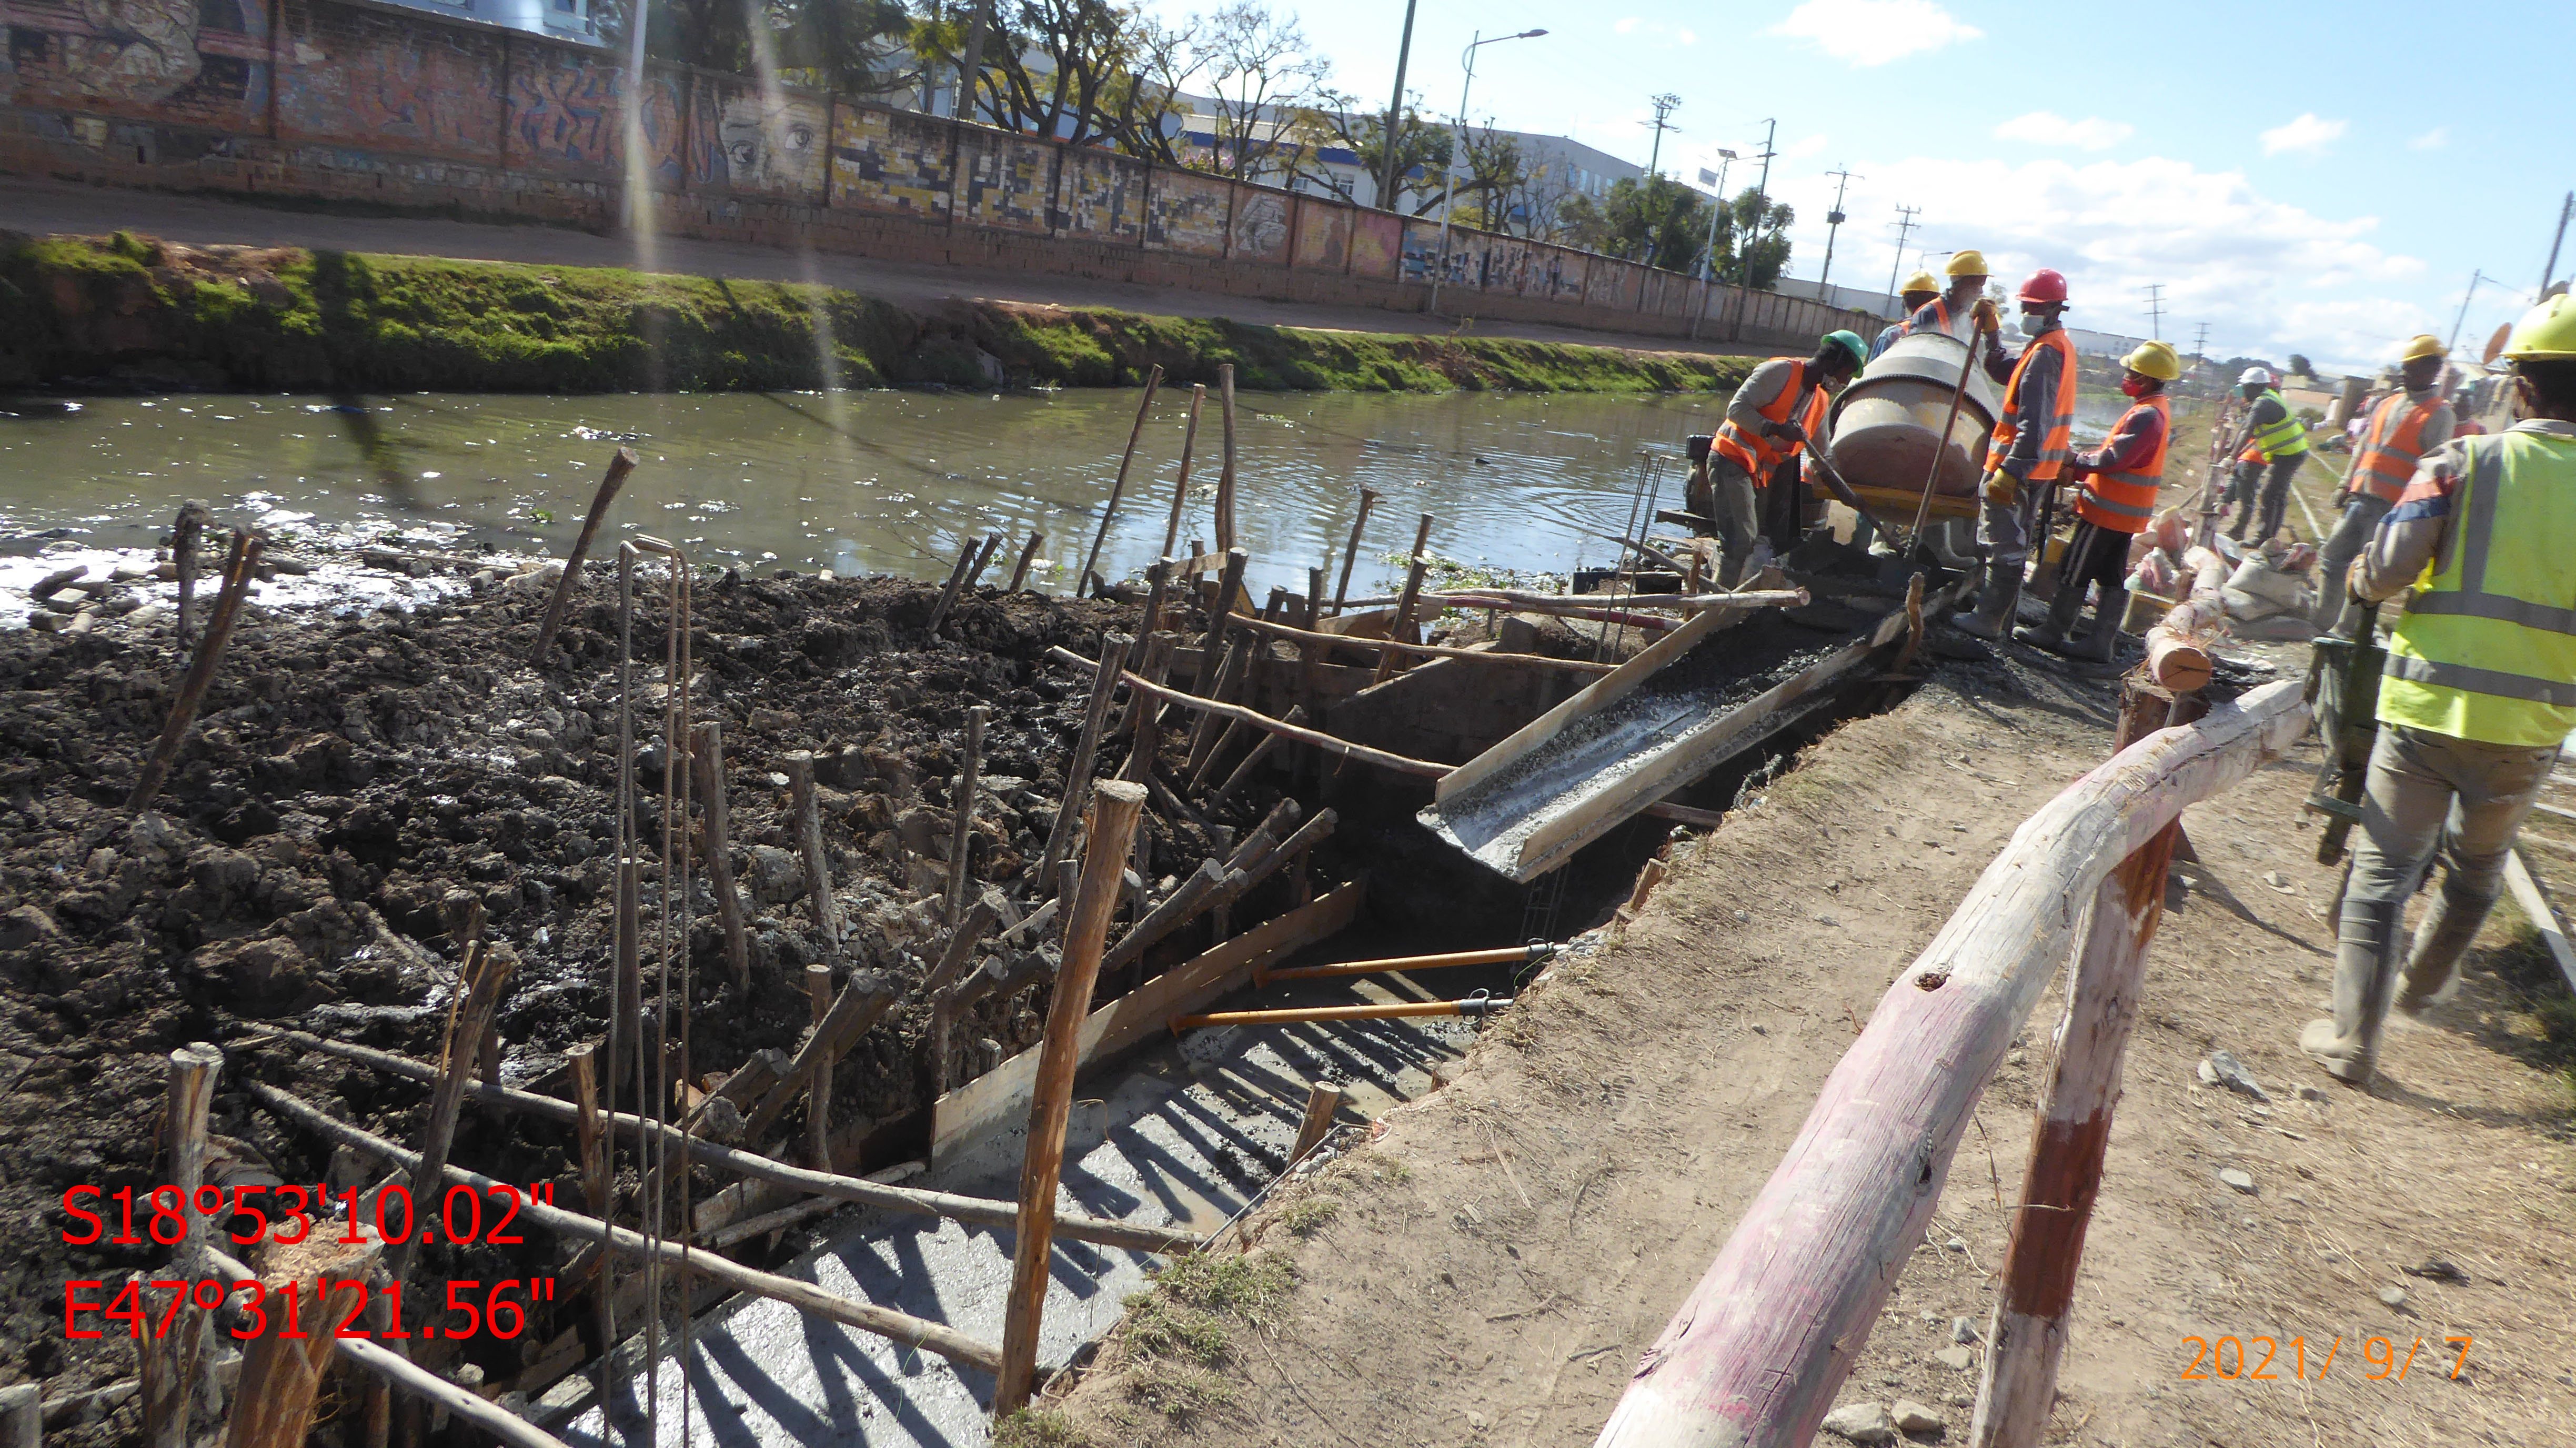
{"type": "Point", "coordinates": [1189, 1135]}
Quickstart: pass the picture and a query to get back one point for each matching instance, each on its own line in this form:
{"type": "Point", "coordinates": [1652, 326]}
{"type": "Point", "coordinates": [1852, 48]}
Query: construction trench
{"type": "Point", "coordinates": [385, 856]}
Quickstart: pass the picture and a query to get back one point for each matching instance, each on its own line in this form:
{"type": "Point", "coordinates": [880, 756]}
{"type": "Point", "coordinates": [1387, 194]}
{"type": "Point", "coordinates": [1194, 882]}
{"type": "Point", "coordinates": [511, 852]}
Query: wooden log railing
{"type": "Point", "coordinates": [1756, 1352]}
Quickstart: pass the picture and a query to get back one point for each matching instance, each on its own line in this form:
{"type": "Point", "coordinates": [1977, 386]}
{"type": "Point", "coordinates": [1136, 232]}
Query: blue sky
{"type": "Point", "coordinates": [2311, 179]}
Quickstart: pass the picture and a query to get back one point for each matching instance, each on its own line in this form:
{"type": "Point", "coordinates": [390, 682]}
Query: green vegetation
{"type": "Point", "coordinates": [1031, 1428]}
{"type": "Point", "coordinates": [134, 310]}
{"type": "Point", "coordinates": [1309, 1215]}
{"type": "Point", "coordinates": [2524, 962]}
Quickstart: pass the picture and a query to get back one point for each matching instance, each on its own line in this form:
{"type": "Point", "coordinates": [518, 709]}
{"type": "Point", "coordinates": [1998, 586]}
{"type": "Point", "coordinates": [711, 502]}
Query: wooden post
{"type": "Point", "coordinates": [1158, 581]}
{"type": "Point", "coordinates": [1181, 487]}
{"type": "Point", "coordinates": [585, 1099]}
{"type": "Point", "coordinates": [1028, 555]}
{"type": "Point", "coordinates": [201, 673]}
{"type": "Point", "coordinates": [1351, 550]}
{"type": "Point", "coordinates": [170, 1361]}
{"type": "Point", "coordinates": [818, 1102]}
{"type": "Point", "coordinates": [956, 581]}
{"type": "Point", "coordinates": [1402, 630]}
{"type": "Point", "coordinates": [1090, 579]}
{"type": "Point", "coordinates": [2027, 1331]}
{"type": "Point", "coordinates": [485, 973]}
{"type": "Point", "coordinates": [824, 907]}
{"type": "Point", "coordinates": [1261, 750]}
{"type": "Point", "coordinates": [708, 760]}
{"type": "Point", "coordinates": [1322, 1102]}
{"type": "Point", "coordinates": [1227, 680]}
{"type": "Point", "coordinates": [1114, 810]}
{"type": "Point", "coordinates": [1077, 771]}
{"type": "Point", "coordinates": [22, 1416]}
{"type": "Point", "coordinates": [1220, 619]}
{"type": "Point", "coordinates": [961, 836]}
{"type": "Point", "coordinates": [618, 467]}
{"type": "Point", "coordinates": [1225, 471]}
{"type": "Point", "coordinates": [186, 535]}
{"type": "Point", "coordinates": [864, 999]}
{"type": "Point", "coordinates": [281, 1376]}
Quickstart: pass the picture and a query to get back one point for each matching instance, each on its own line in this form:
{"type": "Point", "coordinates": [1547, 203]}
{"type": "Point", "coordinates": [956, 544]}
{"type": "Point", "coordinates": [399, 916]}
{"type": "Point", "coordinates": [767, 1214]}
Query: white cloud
{"type": "Point", "coordinates": [1626, 26]}
{"type": "Point", "coordinates": [2307, 135]}
{"type": "Point", "coordinates": [2267, 275]}
{"type": "Point", "coordinates": [2048, 128]}
{"type": "Point", "coordinates": [2432, 140]}
{"type": "Point", "coordinates": [1874, 32]}
{"type": "Point", "coordinates": [1677, 33]}
{"type": "Point", "coordinates": [1807, 145]}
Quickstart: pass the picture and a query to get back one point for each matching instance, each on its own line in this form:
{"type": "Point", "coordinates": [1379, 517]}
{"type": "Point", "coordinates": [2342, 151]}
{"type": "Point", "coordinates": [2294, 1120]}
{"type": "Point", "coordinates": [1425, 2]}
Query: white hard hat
{"type": "Point", "coordinates": [2256, 376]}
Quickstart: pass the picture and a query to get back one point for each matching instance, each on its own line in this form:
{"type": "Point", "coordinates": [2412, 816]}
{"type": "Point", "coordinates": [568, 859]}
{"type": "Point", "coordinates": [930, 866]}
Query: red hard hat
{"type": "Point", "coordinates": [2045, 285]}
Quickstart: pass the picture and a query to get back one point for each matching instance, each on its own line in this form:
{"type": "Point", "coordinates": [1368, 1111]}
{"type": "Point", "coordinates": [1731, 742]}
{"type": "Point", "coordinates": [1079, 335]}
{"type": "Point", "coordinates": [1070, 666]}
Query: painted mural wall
{"type": "Point", "coordinates": [146, 83]}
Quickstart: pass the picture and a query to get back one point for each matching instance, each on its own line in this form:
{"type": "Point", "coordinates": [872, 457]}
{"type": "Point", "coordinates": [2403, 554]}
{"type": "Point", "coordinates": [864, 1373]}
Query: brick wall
{"type": "Point", "coordinates": [357, 100]}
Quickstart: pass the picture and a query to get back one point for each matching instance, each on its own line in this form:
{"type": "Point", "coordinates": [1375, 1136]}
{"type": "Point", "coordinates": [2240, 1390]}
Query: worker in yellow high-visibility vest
{"type": "Point", "coordinates": [2273, 430]}
{"type": "Point", "coordinates": [2480, 689]}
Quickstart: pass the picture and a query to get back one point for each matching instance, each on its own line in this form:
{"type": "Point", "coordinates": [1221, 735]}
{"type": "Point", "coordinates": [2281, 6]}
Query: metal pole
{"type": "Point", "coordinates": [1449, 183]}
{"type": "Point", "coordinates": [2549, 268]}
{"type": "Point", "coordinates": [1833, 226]}
{"type": "Point", "coordinates": [1395, 114]}
{"type": "Point", "coordinates": [2475, 277]}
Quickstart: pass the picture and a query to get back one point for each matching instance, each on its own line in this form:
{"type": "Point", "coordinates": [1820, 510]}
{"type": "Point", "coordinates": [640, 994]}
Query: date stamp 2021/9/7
{"type": "Point", "coordinates": [2266, 1359]}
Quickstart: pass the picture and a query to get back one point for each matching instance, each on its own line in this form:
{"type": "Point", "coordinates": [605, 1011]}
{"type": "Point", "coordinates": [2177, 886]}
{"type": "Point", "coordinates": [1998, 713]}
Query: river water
{"type": "Point", "coordinates": [862, 482]}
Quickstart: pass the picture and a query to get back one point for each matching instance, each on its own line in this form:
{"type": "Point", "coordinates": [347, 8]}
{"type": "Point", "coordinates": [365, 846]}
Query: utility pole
{"type": "Point", "coordinates": [2199, 345]}
{"type": "Point", "coordinates": [1833, 227]}
{"type": "Point", "coordinates": [2475, 277]}
{"type": "Point", "coordinates": [1717, 178]}
{"type": "Point", "coordinates": [1762, 210]}
{"type": "Point", "coordinates": [1904, 228]}
{"type": "Point", "coordinates": [2155, 310]}
{"type": "Point", "coordinates": [2549, 269]}
{"type": "Point", "coordinates": [1395, 116]}
{"type": "Point", "coordinates": [1664, 105]}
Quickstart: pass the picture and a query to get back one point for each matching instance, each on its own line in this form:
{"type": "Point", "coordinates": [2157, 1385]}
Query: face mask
{"type": "Point", "coordinates": [2033, 323]}
{"type": "Point", "coordinates": [2133, 385]}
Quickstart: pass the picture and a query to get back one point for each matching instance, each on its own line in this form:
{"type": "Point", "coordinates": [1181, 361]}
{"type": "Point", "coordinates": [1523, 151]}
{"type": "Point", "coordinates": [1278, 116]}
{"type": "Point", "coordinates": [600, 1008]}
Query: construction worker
{"type": "Point", "coordinates": [1964, 305]}
{"type": "Point", "coordinates": [2479, 692]}
{"type": "Point", "coordinates": [2026, 453]}
{"type": "Point", "coordinates": [1920, 291]}
{"type": "Point", "coordinates": [2395, 436]}
{"type": "Point", "coordinates": [2119, 500]}
{"type": "Point", "coordinates": [1770, 419]}
{"type": "Point", "coordinates": [2283, 441]}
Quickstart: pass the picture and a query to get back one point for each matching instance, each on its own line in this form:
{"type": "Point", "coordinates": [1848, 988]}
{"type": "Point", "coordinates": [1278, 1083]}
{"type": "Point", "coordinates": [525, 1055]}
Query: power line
{"type": "Point", "coordinates": [2155, 310]}
{"type": "Point", "coordinates": [2198, 343]}
{"type": "Point", "coordinates": [1833, 226]}
{"type": "Point", "coordinates": [1664, 105]}
{"type": "Point", "coordinates": [1904, 228]}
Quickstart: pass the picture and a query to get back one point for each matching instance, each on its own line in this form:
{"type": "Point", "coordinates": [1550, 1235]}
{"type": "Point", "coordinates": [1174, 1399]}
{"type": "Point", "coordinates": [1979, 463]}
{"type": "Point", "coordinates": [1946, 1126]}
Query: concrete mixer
{"type": "Point", "coordinates": [1886, 427]}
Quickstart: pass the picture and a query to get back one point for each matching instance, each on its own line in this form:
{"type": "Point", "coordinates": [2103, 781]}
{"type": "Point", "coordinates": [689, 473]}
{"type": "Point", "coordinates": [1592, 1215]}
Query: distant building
{"type": "Point", "coordinates": [555, 19]}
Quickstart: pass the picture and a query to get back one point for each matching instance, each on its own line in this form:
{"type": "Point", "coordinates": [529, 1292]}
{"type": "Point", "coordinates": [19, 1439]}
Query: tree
{"type": "Point", "coordinates": [1422, 147]}
{"type": "Point", "coordinates": [1262, 76]}
{"type": "Point", "coordinates": [1753, 240]}
{"type": "Point", "coordinates": [2299, 366]}
{"type": "Point", "coordinates": [1576, 221]}
{"type": "Point", "coordinates": [1658, 221]}
{"type": "Point", "coordinates": [1491, 175]}
{"type": "Point", "coordinates": [1089, 49]}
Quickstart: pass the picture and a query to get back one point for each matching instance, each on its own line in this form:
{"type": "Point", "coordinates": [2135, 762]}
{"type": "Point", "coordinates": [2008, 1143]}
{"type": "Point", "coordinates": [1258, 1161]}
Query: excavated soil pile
{"type": "Point", "coordinates": [407, 768]}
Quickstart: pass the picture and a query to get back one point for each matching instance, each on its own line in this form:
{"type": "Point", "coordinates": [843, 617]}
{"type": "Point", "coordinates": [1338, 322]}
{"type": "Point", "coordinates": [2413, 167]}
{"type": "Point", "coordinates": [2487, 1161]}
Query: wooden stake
{"type": "Point", "coordinates": [485, 973]}
{"type": "Point", "coordinates": [1326, 742]}
{"type": "Point", "coordinates": [1221, 682]}
{"type": "Point", "coordinates": [1322, 1103]}
{"type": "Point", "coordinates": [22, 1416]}
{"type": "Point", "coordinates": [1305, 638]}
{"type": "Point", "coordinates": [618, 467]}
{"type": "Point", "coordinates": [585, 1100]}
{"type": "Point", "coordinates": [821, 903]}
{"type": "Point", "coordinates": [956, 581]}
{"type": "Point", "coordinates": [818, 1102]}
{"type": "Point", "coordinates": [1077, 771]}
{"type": "Point", "coordinates": [708, 760]}
{"type": "Point", "coordinates": [281, 1376]}
{"type": "Point", "coordinates": [1314, 610]}
{"type": "Point", "coordinates": [1221, 617]}
{"type": "Point", "coordinates": [961, 835]}
{"type": "Point", "coordinates": [1351, 550]}
{"type": "Point", "coordinates": [1225, 471]}
{"type": "Point", "coordinates": [171, 1359]}
{"type": "Point", "coordinates": [1261, 750]}
{"type": "Point", "coordinates": [1402, 629]}
{"type": "Point", "coordinates": [1028, 555]}
{"type": "Point", "coordinates": [863, 1000]}
{"type": "Point", "coordinates": [186, 536]}
{"type": "Point", "coordinates": [804, 1296]}
{"type": "Point", "coordinates": [201, 674]}
{"type": "Point", "coordinates": [1181, 487]}
{"type": "Point", "coordinates": [1158, 580]}
{"type": "Point", "coordinates": [1114, 810]}
{"type": "Point", "coordinates": [1090, 579]}
{"type": "Point", "coordinates": [395, 1370]}
{"type": "Point", "coordinates": [2027, 1331]}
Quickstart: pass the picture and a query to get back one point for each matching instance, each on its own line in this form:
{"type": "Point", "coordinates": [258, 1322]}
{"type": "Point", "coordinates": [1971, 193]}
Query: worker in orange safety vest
{"type": "Point", "coordinates": [2118, 502]}
{"type": "Point", "coordinates": [1770, 420]}
{"type": "Point", "coordinates": [2407, 426]}
{"type": "Point", "coordinates": [2026, 454]}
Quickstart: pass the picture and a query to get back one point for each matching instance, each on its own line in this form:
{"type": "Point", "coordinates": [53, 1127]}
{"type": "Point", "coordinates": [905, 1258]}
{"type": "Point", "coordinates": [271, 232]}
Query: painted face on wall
{"type": "Point", "coordinates": [763, 146]}
{"type": "Point", "coordinates": [136, 50]}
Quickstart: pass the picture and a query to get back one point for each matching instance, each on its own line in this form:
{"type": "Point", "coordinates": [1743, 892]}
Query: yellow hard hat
{"type": "Point", "coordinates": [1968, 264]}
{"type": "Point", "coordinates": [2422, 344]}
{"type": "Point", "coordinates": [2154, 359]}
{"type": "Point", "coordinates": [2546, 333]}
{"type": "Point", "coordinates": [1922, 281]}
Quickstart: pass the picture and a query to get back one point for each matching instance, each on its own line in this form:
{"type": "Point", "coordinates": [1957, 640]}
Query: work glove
{"type": "Point", "coordinates": [1988, 319]}
{"type": "Point", "coordinates": [1788, 431]}
{"type": "Point", "coordinates": [2002, 489]}
{"type": "Point", "coordinates": [2352, 582]}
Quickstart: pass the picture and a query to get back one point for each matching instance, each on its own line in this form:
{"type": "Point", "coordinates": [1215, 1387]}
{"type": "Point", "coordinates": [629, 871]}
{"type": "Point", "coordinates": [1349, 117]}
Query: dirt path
{"type": "Point", "coordinates": [45, 206]}
{"type": "Point", "coordinates": [1490, 1269]}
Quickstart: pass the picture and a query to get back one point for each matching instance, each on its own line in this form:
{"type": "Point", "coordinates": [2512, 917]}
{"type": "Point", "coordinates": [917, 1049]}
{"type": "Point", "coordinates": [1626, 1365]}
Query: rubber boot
{"type": "Point", "coordinates": [2061, 617]}
{"type": "Point", "coordinates": [2432, 973]}
{"type": "Point", "coordinates": [1994, 605]}
{"type": "Point", "coordinates": [2347, 1046]}
{"type": "Point", "coordinates": [2101, 645]}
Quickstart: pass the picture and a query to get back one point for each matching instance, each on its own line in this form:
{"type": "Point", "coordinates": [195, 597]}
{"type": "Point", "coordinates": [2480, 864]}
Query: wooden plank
{"type": "Point", "coordinates": [1002, 1093]}
{"type": "Point", "coordinates": [1755, 1353]}
{"type": "Point", "coordinates": [2527, 895]}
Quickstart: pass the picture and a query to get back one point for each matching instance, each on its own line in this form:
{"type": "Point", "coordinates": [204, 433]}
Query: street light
{"type": "Point", "coordinates": [1708, 258]}
{"type": "Point", "coordinates": [1449, 191]}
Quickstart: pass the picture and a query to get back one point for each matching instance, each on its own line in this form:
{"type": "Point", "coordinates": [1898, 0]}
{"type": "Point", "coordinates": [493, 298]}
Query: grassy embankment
{"type": "Point", "coordinates": [131, 310]}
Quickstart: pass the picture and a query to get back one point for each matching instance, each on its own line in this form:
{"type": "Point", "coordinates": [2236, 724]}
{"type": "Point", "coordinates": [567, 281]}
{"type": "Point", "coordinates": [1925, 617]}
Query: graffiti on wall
{"type": "Point", "coordinates": [1260, 231]}
{"type": "Point", "coordinates": [200, 60]}
{"type": "Point", "coordinates": [568, 111]}
{"type": "Point", "coordinates": [1188, 213]}
{"type": "Point", "coordinates": [890, 161]}
{"type": "Point", "coordinates": [1104, 196]}
{"type": "Point", "coordinates": [384, 87]}
{"type": "Point", "coordinates": [1323, 234]}
{"type": "Point", "coordinates": [1377, 244]}
{"type": "Point", "coordinates": [753, 140]}
{"type": "Point", "coordinates": [1006, 180]}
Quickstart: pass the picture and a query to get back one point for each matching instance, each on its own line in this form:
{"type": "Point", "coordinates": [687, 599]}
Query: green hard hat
{"type": "Point", "coordinates": [1851, 342]}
